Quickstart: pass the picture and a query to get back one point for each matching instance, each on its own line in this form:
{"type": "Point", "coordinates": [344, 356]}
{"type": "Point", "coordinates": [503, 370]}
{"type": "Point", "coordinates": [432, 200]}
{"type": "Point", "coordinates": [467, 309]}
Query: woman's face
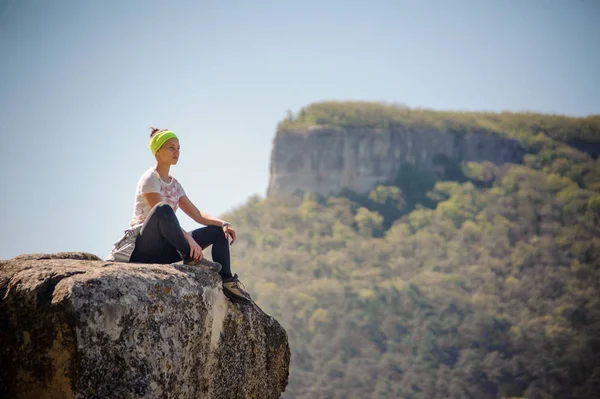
{"type": "Point", "coordinates": [169, 152]}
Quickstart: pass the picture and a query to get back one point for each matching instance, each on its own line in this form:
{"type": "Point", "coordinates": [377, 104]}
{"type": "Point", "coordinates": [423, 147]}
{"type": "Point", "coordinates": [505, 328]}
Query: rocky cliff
{"type": "Point", "coordinates": [73, 325]}
{"type": "Point", "coordinates": [326, 159]}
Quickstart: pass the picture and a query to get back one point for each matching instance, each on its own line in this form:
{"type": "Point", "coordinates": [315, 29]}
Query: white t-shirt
{"type": "Point", "coordinates": [150, 182]}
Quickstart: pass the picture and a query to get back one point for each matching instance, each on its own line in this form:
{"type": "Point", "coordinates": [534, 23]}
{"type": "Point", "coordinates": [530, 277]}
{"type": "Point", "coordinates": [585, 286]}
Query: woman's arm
{"type": "Point", "coordinates": [153, 198]}
{"type": "Point", "coordinates": [190, 209]}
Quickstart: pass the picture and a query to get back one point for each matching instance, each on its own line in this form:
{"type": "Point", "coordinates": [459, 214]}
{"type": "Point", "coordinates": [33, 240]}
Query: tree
{"type": "Point", "coordinates": [369, 223]}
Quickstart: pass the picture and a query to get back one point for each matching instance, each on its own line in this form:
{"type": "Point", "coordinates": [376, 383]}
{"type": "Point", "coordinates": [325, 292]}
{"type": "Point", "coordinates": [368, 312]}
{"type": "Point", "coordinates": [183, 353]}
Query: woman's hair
{"type": "Point", "coordinates": [154, 130]}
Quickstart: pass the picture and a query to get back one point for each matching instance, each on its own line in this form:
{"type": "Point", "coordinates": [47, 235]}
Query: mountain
{"type": "Point", "coordinates": [478, 280]}
{"type": "Point", "coordinates": [332, 146]}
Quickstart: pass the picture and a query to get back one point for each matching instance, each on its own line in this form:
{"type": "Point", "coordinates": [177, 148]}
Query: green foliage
{"type": "Point", "coordinates": [482, 283]}
{"type": "Point", "coordinates": [369, 223]}
{"type": "Point", "coordinates": [387, 195]}
{"type": "Point", "coordinates": [449, 169]}
{"type": "Point", "coordinates": [481, 174]}
{"type": "Point", "coordinates": [531, 127]}
{"type": "Point", "coordinates": [409, 189]}
{"type": "Point", "coordinates": [415, 184]}
{"type": "Point", "coordinates": [594, 204]}
{"type": "Point", "coordinates": [387, 201]}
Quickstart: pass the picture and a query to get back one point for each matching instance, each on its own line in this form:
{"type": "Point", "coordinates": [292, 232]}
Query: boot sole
{"type": "Point", "coordinates": [236, 299]}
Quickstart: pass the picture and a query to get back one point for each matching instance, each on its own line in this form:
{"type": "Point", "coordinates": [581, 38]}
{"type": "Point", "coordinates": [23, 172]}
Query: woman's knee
{"type": "Point", "coordinates": [217, 232]}
{"type": "Point", "coordinates": [162, 208]}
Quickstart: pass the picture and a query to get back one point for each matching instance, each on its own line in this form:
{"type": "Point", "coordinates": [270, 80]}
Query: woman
{"type": "Point", "coordinates": [156, 235]}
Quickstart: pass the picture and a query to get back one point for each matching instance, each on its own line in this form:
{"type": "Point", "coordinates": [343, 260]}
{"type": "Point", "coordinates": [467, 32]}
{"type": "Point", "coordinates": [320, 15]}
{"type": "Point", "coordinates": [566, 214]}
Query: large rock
{"type": "Point", "coordinates": [72, 325]}
{"type": "Point", "coordinates": [327, 159]}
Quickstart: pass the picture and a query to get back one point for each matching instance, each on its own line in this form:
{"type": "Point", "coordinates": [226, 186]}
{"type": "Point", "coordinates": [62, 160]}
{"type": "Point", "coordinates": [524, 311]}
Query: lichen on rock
{"type": "Point", "coordinates": [76, 326]}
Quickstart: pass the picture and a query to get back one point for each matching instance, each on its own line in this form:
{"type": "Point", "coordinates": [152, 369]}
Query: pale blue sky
{"type": "Point", "coordinates": [80, 82]}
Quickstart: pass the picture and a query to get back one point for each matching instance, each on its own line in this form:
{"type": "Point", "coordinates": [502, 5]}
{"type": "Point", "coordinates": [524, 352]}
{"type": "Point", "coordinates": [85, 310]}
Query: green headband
{"type": "Point", "coordinates": [159, 139]}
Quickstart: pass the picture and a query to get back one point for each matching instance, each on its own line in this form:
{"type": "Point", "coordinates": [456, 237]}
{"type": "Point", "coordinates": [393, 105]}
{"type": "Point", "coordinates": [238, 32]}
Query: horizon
{"type": "Point", "coordinates": [425, 108]}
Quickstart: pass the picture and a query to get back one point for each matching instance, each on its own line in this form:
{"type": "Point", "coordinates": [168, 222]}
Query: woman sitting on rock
{"type": "Point", "coordinates": [156, 236]}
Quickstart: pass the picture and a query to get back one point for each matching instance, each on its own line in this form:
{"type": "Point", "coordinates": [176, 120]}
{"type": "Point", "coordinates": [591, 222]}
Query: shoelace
{"type": "Point", "coordinates": [236, 282]}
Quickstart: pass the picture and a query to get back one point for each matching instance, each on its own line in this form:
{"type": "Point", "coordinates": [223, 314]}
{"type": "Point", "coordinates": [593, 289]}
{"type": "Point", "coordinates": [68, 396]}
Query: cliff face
{"type": "Point", "coordinates": [326, 160]}
{"type": "Point", "coordinates": [76, 326]}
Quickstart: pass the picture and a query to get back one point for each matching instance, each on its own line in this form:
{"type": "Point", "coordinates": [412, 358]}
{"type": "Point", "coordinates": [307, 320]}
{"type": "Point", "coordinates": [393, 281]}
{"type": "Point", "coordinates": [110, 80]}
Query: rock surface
{"type": "Point", "coordinates": [74, 326]}
{"type": "Point", "coordinates": [326, 160]}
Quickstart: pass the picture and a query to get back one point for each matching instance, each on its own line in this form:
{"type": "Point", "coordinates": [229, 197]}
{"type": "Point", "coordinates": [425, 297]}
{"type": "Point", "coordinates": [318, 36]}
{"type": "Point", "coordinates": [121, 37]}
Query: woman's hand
{"type": "Point", "coordinates": [229, 232]}
{"type": "Point", "coordinates": [195, 249]}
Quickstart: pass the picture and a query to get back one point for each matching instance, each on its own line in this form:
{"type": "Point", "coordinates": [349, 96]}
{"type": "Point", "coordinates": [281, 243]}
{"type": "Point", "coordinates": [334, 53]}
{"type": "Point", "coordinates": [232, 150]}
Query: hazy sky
{"type": "Point", "coordinates": [80, 82]}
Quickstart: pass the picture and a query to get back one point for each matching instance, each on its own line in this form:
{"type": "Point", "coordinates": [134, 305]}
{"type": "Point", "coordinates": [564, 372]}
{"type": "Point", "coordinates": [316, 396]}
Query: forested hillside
{"type": "Point", "coordinates": [483, 286]}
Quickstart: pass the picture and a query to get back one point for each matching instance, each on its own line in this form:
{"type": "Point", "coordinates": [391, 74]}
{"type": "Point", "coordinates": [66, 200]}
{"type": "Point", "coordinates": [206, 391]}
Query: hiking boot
{"type": "Point", "coordinates": [233, 291]}
{"type": "Point", "coordinates": [210, 265]}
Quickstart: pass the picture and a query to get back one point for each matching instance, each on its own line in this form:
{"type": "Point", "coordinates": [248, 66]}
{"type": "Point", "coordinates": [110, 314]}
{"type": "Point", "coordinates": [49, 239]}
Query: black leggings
{"type": "Point", "coordinates": [161, 240]}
